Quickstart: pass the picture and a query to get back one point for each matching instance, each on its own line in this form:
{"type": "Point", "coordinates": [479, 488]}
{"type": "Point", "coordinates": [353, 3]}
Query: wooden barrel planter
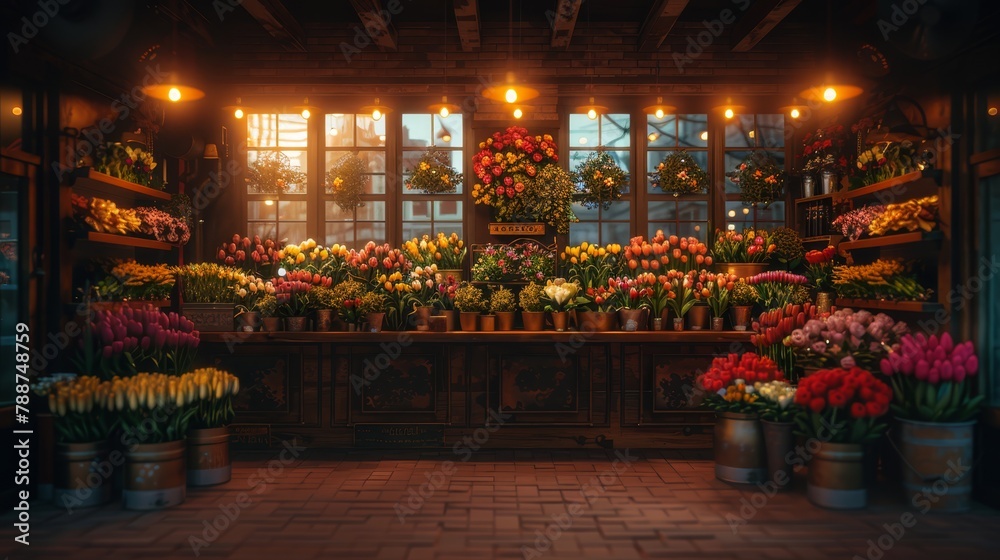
{"type": "Point", "coordinates": [208, 457]}
{"type": "Point", "coordinates": [937, 463]}
{"type": "Point", "coordinates": [739, 449]}
{"type": "Point", "coordinates": [155, 476]}
{"type": "Point", "coordinates": [837, 476]}
{"type": "Point", "coordinates": [82, 475]}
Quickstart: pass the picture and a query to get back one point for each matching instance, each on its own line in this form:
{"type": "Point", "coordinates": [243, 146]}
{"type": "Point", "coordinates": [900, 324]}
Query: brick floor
{"type": "Point", "coordinates": [505, 505]}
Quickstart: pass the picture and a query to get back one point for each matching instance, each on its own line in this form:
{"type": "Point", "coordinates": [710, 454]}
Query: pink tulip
{"type": "Point", "coordinates": [921, 370]}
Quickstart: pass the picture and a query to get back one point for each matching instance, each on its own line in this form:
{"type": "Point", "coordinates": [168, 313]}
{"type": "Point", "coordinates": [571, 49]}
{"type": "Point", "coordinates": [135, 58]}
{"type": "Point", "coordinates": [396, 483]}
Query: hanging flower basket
{"type": "Point", "coordinates": [434, 174]}
{"type": "Point", "coordinates": [760, 178]}
{"type": "Point", "coordinates": [272, 173]}
{"type": "Point", "coordinates": [602, 181]}
{"type": "Point", "coordinates": [679, 174]}
{"type": "Point", "coordinates": [346, 181]}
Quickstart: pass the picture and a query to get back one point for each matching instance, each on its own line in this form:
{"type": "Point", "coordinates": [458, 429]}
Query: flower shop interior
{"type": "Point", "coordinates": [430, 279]}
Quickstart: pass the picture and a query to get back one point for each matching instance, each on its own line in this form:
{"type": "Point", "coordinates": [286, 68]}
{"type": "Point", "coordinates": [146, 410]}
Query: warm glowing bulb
{"type": "Point", "coordinates": [704, 135]}
{"type": "Point", "coordinates": [17, 111]}
{"type": "Point", "coordinates": [732, 213]}
{"type": "Point", "coordinates": [282, 271]}
{"type": "Point", "coordinates": [269, 202]}
{"type": "Point", "coordinates": [794, 113]}
{"type": "Point", "coordinates": [697, 228]}
{"type": "Point", "coordinates": [732, 227]}
{"type": "Point", "coordinates": [511, 95]}
{"type": "Point", "coordinates": [751, 134]}
{"type": "Point", "coordinates": [729, 113]}
{"type": "Point", "coordinates": [518, 113]}
{"type": "Point", "coordinates": [829, 94]}
{"type": "Point", "coordinates": [659, 113]}
{"type": "Point", "coordinates": [174, 94]}
{"type": "Point", "coordinates": [746, 211]}
{"type": "Point", "coordinates": [381, 138]}
{"type": "Point", "coordinates": [444, 112]}
{"type": "Point", "coordinates": [653, 136]}
{"type": "Point", "coordinates": [446, 138]}
{"type": "Point", "coordinates": [306, 113]}
{"type": "Point", "coordinates": [334, 132]}
{"type": "Point", "coordinates": [583, 140]}
{"type": "Point", "coordinates": [992, 111]}
{"type": "Point", "coordinates": [238, 113]}
{"type": "Point", "coordinates": [376, 114]}
{"type": "Point", "coordinates": [592, 114]}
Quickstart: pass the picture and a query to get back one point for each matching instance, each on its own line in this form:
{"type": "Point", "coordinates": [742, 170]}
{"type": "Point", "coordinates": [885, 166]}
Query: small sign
{"type": "Point", "coordinates": [251, 435]}
{"type": "Point", "coordinates": [517, 228]}
{"type": "Point", "coordinates": [398, 435]}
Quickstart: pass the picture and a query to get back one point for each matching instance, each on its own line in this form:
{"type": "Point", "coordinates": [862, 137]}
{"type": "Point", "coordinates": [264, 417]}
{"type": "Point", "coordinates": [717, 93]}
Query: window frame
{"type": "Point", "coordinates": [629, 196]}
{"type": "Point", "coordinates": [286, 197]}
{"type": "Point", "coordinates": [463, 154]}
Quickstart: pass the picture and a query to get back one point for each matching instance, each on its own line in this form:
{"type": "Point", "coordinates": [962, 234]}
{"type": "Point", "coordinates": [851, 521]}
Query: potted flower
{"type": "Point", "coordinates": [773, 327]}
{"type": "Point", "coordinates": [819, 271]}
{"type": "Point", "coordinates": [739, 441]}
{"type": "Point", "coordinates": [680, 298]}
{"type": "Point", "coordinates": [657, 296]}
{"type": "Point", "coordinates": [630, 298]}
{"type": "Point", "coordinates": [503, 305]}
{"type": "Point", "coordinates": [560, 297]}
{"type": "Point", "coordinates": [293, 303]}
{"type": "Point", "coordinates": [83, 421]}
{"type": "Point", "coordinates": [208, 433]}
{"type": "Point", "coordinates": [532, 307]}
{"type": "Point", "coordinates": [208, 291]}
{"type": "Point", "coordinates": [268, 307]}
{"type": "Point", "coordinates": [743, 297]}
{"type": "Point", "coordinates": [249, 293]}
{"type": "Point", "coordinates": [665, 253]}
{"type": "Point", "coordinates": [719, 287]}
{"type": "Point", "coordinates": [372, 307]}
{"type": "Point", "coordinates": [700, 313]}
{"type": "Point", "coordinates": [602, 181]}
{"type": "Point", "coordinates": [424, 293]}
{"type": "Point", "coordinates": [775, 288]}
{"type": "Point", "coordinates": [777, 411]}
{"type": "Point", "coordinates": [935, 403]}
{"type": "Point", "coordinates": [679, 174]}
{"type": "Point", "coordinates": [841, 412]}
{"type": "Point", "coordinates": [590, 265]}
{"type": "Point", "coordinates": [373, 262]}
{"type": "Point", "coordinates": [345, 298]}
{"type": "Point", "coordinates": [470, 303]}
{"type": "Point", "coordinates": [602, 314]}
{"type": "Point", "coordinates": [743, 254]}
{"type": "Point", "coordinates": [447, 253]}
{"type": "Point", "coordinates": [323, 302]}
{"type": "Point", "coordinates": [398, 299]}
{"type": "Point", "coordinates": [846, 338]}
{"type": "Point", "coordinates": [447, 286]}
{"type": "Point", "coordinates": [823, 153]}
{"type": "Point", "coordinates": [760, 179]}
{"type": "Point", "coordinates": [788, 248]}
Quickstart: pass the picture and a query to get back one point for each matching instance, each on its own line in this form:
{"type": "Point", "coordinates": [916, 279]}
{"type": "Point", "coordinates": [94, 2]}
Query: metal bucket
{"type": "Point", "coordinates": [739, 448]}
{"type": "Point", "coordinates": [82, 475]}
{"type": "Point", "coordinates": [208, 457]}
{"type": "Point", "coordinates": [155, 475]}
{"type": "Point", "coordinates": [779, 441]}
{"type": "Point", "coordinates": [937, 464]}
{"type": "Point", "coordinates": [837, 476]}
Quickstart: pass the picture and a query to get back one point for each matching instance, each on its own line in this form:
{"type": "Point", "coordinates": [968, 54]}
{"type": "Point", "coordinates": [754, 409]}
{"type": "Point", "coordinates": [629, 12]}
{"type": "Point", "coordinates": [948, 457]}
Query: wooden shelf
{"type": "Point", "coordinates": [105, 180]}
{"type": "Point", "coordinates": [504, 337]}
{"type": "Point", "coordinates": [816, 198]}
{"type": "Point", "coordinates": [890, 240]}
{"type": "Point", "coordinates": [828, 239]}
{"type": "Point", "coordinates": [111, 305]}
{"type": "Point", "coordinates": [127, 241]}
{"type": "Point", "coordinates": [886, 305]}
{"type": "Point", "coordinates": [895, 182]}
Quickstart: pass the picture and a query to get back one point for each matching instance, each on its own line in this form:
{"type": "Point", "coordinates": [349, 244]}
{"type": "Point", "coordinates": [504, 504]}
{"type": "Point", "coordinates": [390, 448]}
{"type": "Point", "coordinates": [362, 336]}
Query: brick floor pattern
{"type": "Point", "coordinates": [499, 504]}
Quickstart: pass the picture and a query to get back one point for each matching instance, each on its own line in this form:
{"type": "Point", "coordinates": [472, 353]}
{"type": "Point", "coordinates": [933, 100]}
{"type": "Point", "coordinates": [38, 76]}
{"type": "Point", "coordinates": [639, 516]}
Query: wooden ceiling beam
{"type": "Point", "coordinates": [467, 18]}
{"type": "Point", "coordinates": [564, 22]}
{"type": "Point", "coordinates": [275, 18]}
{"type": "Point", "coordinates": [760, 18]}
{"type": "Point", "coordinates": [376, 22]}
{"type": "Point", "coordinates": [661, 19]}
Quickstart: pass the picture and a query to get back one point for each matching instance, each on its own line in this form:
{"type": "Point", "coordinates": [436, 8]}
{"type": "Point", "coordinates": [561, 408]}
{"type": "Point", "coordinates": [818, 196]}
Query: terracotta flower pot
{"type": "Point", "coordinates": [272, 324]}
{"type": "Point", "coordinates": [718, 323]}
{"type": "Point", "coordinates": [375, 320]}
{"type": "Point", "coordinates": [598, 321]}
{"type": "Point", "coordinates": [469, 320]}
{"type": "Point", "coordinates": [533, 320]}
{"type": "Point", "coordinates": [296, 324]}
{"type": "Point", "coordinates": [422, 316]}
{"type": "Point", "coordinates": [560, 320]}
{"type": "Point", "coordinates": [505, 320]}
{"type": "Point", "coordinates": [741, 317]}
{"type": "Point", "coordinates": [741, 270]}
{"type": "Point", "coordinates": [632, 319]}
{"type": "Point", "coordinates": [324, 320]}
{"type": "Point", "coordinates": [451, 319]}
{"type": "Point", "coordinates": [698, 317]}
{"type": "Point", "coordinates": [488, 323]}
{"type": "Point", "coordinates": [248, 321]}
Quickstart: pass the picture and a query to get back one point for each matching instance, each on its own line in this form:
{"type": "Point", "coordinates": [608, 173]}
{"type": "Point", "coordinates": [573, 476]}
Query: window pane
{"type": "Point", "coordinates": [583, 131]}
{"type": "Point", "coordinates": [682, 229]}
{"type": "Point", "coordinates": [334, 213]}
{"type": "Point", "coordinates": [585, 231]}
{"type": "Point", "coordinates": [292, 210]}
{"type": "Point", "coordinates": [370, 132]}
{"type": "Point", "coordinates": [266, 230]}
{"type": "Point", "coordinates": [372, 210]}
{"type": "Point", "coordinates": [614, 231]}
{"type": "Point", "coordinates": [738, 215]}
{"type": "Point", "coordinates": [417, 210]}
{"type": "Point", "coordinates": [374, 161]}
{"type": "Point", "coordinates": [615, 130]}
{"type": "Point", "coordinates": [774, 213]}
{"type": "Point", "coordinates": [410, 161]}
{"type": "Point", "coordinates": [740, 132]}
{"type": "Point", "coordinates": [293, 131]}
{"type": "Point", "coordinates": [340, 130]}
{"type": "Point", "coordinates": [370, 231]}
{"type": "Point", "coordinates": [415, 229]}
{"type": "Point", "coordinates": [771, 131]}
{"type": "Point", "coordinates": [692, 210]}
{"type": "Point", "coordinates": [376, 185]}
{"type": "Point", "coordinates": [448, 228]}
{"type": "Point", "coordinates": [296, 160]}
{"type": "Point", "coordinates": [619, 210]}
{"type": "Point", "coordinates": [445, 127]}
{"type": "Point", "coordinates": [732, 161]}
{"type": "Point", "coordinates": [662, 210]}
{"type": "Point", "coordinates": [416, 130]}
{"type": "Point", "coordinates": [692, 131]}
{"type": "Point", "coordinates": [258, 210]}
{"type": "Point", "coordinates": [292, 231]}
{"type": "Point", "coordinates": [340, 232]}
{"type": "Point", "coordinates": [262, 130]}
{"type": "Point", "coordinates": [447, 209]}
{"type": "Point", "coordinates": [584, 213]}
{"type": "Point", "coordinates": [661, 132]}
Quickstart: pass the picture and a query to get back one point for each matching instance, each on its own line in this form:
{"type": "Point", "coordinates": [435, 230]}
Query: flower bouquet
{"type": "Point", "coordinates": [842, 405]}
{"type": "Point", "coordinates": [517, 262]}
{"type": "Point", "coordinates": [846, 339]}
{"type": "Point", "coordinates": [934, 379]}
{"type": "Point", "coordinates": [80, 406]}
{"type": "Point", "coordinates": [881, 162]}
{"type": "Point", "coordinates": [819, 268]}
{"type": "Point", "coordinates": [345, 299]}
{"type": "Point", "coordinates": [760, 179]}
{"type": "Point", "coordinates": [209, 282]}
{"type": "Point", "coordinates": [774, 326]}
{"type": "Point", "coordinates": [921, 214]}
{"type": "Point", "coordinates": [346, 181]}
{"type": "Point", "coordinates": [446, 252]}
{"type": "Point", "coordinates": [777, 401]}
{"type": "Point", "coordinates": [628, 293]}
{"type": "Point", "coordinates": [398, 299]}
{"type": "Point", "coordinates": [679, 174]}
{"type": "Point", "coordinates": [375, 261]}
{"type": "Point", "coordinates": [879, 280]}
{"type": "Point", "coordinates": [719, 287]}
{"type": "Point", "coordinates": [855, 223]}
{"type": "Point", "coordinates": [128, 340]}
{"type": "Point", "coordinates": [293, 297]}
{"type": "Point", "coordinates": [655, 291]}
{"type": "Point", "coordinates": [751, 246]}
{"type": "Point", "coordinates": [161, 226]}
{"type": "Point", "coordinates": [272, 173]}
{"type": "Point", "coordinates": [129, 280]}
{"type": "Point", "coordinates": [434, 173]}
{"type": "Point", "coordinates": [590, 265]}
{"type": "Point", "coordinates": [602, 181]}
{"type": "Point", "coordinates": [253, 256]}
{"type": "Point", "coordinates": [824, 150]}
{"type": "Point", "coordinates": [214, 405]}
{"type": "Point", "coordinates": [677, 253]}
{"type": "Point", "coordinates": [775, 288]}
{"type": "Point", "coordinates": [726, 372]}
{"type": "Point", "coordinates": [508, 165]}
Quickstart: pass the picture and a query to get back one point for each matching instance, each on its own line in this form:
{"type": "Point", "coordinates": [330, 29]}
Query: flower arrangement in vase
{"type": "Point", "coordinates": [434, 173]}
{"type": "Point", "coordinates": [602, 180]}
{"type": "Point", "coordinates": [760, 179]}
{"type": "Point", "coordinates": [345, 299]}
{"type": "Point", "coordinates": [559, 297]}
{"type": "Point", "coordinates": [374, 261]}
{"type": "Point", "coordinates": [750, 246]}
{"type": "Point", "coordinates": [591, 265]}
{"type": "Point", "coordinates": [773, 327]}
{"type": "Point", "coordinates": [883, 161]}
{"type": "Point", "coordinates": [824, 150]}
{"type": "Point", "coordinates": [679, 174]}
{"type": "Point", "coordinates": [819, 268]}
{"type": "Point", "coordinates": [503, 305]}
{"type": "Point", "coordinates": [681, 297]}
{"type": "Point", "coordinates": [719, 287]}
{"type": "Point", "coordinates": [398, 295]}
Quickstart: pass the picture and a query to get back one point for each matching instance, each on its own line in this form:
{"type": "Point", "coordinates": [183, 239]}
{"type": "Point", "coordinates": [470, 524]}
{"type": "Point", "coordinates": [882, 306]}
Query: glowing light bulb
{"type": "Point", "coordinates": [446, 138]}
{"type": "Point", "coordinates": [829, 94]}
{"type": "Point", "coordinates": [444, 112]}
{"type": "Point", "coordinates": [282, 271]}
{"type": "Point", "coordinates": [746, 211]}
{"type": "Point", "coordinates": [269, 202]}
{"type": "Point", "coordinates": [511, 95]}
{"type": "Point", "coordinates": [992, 111]}
{"type": "Point", "coordinates": [518, 113]}
{"type": "Point", "coordinates": [592, 114]}
{"type": "Point", "coordinates": [794, 113]}
{"type": "Point", "coordinates": [306, 113]}
{"type": "Point", "coordinates": [732, 227]}
{"type": "Point", "coordinates": [334, 132]}
{"type": "Point", "coordinates": [17, 111]}
{"type": "Point", "coordinates": [729, 113]}
{"type": "Point", "coordinates": [653, 136]}
{"type": "Point", "coordinates": [174, 94]}
{"type": "Point", "coordinates": [732, 213]}
{"type": "Point", "coordinates": [583, 140]}
{"type": "Point", "coordinates": [704, 135]}
{"type": "Point", "coordinates": [381, 138]}
{"type": "Point", "coordinates": [697, 228]}
{"type": "Point", "coordinates": [659, 113]}
{"type": "Point", "coordinates": [376, 114]}
{"type": "Point", "coordinates": [238, 113]}
{"type": "Point", "coordinates": [751, 134]}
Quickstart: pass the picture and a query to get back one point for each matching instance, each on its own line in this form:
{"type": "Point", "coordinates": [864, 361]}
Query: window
{"type": "Point", "coordinates": [426, 214]}
{"type": "Point", "coordinates": [272, 216]}
{"type": "Point", "coordinates": [685, 215]}
{"type": "Point", "coordinates": [347, 133]}
{"type": "Point", "coordinates": [613, 133]}
{"type": "Point", "coordinates": [744, 134]}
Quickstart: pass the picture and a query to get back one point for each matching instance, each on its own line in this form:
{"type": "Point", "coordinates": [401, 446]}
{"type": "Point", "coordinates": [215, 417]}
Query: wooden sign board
{"type": "Point", "coordinates": [398, 435]}
{"type": "Point", "coordinates": [516, 229]}
{"type": "Point", "coordinates": [250, 435]}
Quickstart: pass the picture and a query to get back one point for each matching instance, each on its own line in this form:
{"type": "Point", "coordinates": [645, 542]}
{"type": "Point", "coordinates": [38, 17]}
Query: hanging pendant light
{"type": "Point", "coordinates": [444, 135]}
{"type": "Point", "coordinates": [510, 92]}
{"type": "Point", "coordinates": [444, 108]}
{"type": "Point", "coordinates": [833, 86]}
{"type": "Point", "coordinates": [592, 110]}
{"type": "Point", "coordinates": [239, 110]}
{"type": "Point", "coordinates": [377, 110]}
{"type": "Point", "coordinates": [794, 110]}
{"type": "Point", "coordinates": [305, 110]}
{"type": "Point", "coordinates": [658, 109]}
{"type": "Point", "coordinates": [729, 110]}
{"type": "Point", "coordinates": [173, 89]}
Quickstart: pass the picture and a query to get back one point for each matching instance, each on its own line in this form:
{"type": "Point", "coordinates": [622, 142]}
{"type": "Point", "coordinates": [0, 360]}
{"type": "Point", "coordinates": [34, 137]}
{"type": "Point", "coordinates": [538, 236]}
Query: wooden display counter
{"type": "Point", "coordinates": [513, 389]}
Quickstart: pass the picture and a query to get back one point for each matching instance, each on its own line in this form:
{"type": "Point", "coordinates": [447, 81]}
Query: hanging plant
{"type": "Point", "coordinates": [602, 181]}
{"type": "Point", "coordinates": [760, 178]}
{"type": "Point", "coordinates": [679, 174]}
{"type": "Point", "coordinates": [272, 173]}
{"type": "Point", "coordinates": [434, 174]}
{"type": "Point", "coordinates": [549, 198]}
{"type": "Point", "coordinates": [346, 181]}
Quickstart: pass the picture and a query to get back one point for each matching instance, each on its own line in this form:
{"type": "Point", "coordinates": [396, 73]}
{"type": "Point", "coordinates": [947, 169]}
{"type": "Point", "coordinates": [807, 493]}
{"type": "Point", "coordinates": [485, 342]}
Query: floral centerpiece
{"type": "Point", "coordinates": [272, 173]}
{"type": "Point", "coordinates": [678, 253]}
{"type": "Point", "coordinates": [934, 379]}
{"type": "Point", "coordinates": [130, 164]}
{"type": "Point", "coordinates": [79, 406]}
{"type": "Point", "coordinates": [825, 150]}
{"type": "Point", "coordinates": [434, 173]}
{"type": "Point", "coordinates": [881, 279]}
{"type": "Point", "coordinates": [591, 265]}
{"type": "Point", "coordinates": [161, 226]}
{"type": "Point", "coordinates": [846, 339]}
{"type": "Point", "coordinates": [883, 161]}
{"type": "Point", "coordinates": [775, 287]}
{"type": "Point", "coordinates": [507, 165]}
{"type": "Point", "coordinates": [374, 261]}
{"type": "Point", "coordinates": [347, 180]}
{"type": "Point", "coordinates": [446, 252]}
{"type": "Point", "coordinates": [854, 224]}
{"type": "Point", "coordinates": [679, 174]}
{"type": "Point", "coordinates": [602, 180]}
{"type": "Point", "coordinates": [842, 405]}
{"type": "Point", "coordinates": [760, 179]}
{"type": "Point", "coordinates": [750, 246]}
{"type": "Point", "coordinates": [209, 282]}
{"type": "Point", "coordinates": [819, 268]}
{"type": "Point", "coordinates": [919, 214]}
{"type": "Point", "coordinates": [560, 295]}
{"type": "Point", "coordinates": [777, 401]}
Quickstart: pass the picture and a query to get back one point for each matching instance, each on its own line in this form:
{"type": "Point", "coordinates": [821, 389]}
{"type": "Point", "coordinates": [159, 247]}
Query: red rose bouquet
{"type": "Point", "coordinates": [842, 405]}
{"type": "Point", "coordinates": [819, 268]}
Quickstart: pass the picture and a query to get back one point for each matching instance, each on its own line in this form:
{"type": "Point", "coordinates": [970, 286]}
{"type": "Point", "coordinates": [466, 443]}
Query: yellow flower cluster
{"type": "Point", "coordinates": [210, 282]}
{"type": "Point", "coordinates": [154, 390]}
{"type": "Point", "coordinates": [81, 395]}
{"type": "Point", "coordinates": [878, 272]}
{"type": "Point", "coordinates": [104, 216]}
{"type": "Point", "coordinates": [131, 273]}
{"type": "Point", "coordinates": [737, 392]}
{"type": "Point", "coordinates": [394, 284]}
{"type": "Point", "coordinates": [911, 215]}
{"type": "Point", "coordinates": [447, 252]}
{"type": "Point", "coordinates": [585, 251]}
